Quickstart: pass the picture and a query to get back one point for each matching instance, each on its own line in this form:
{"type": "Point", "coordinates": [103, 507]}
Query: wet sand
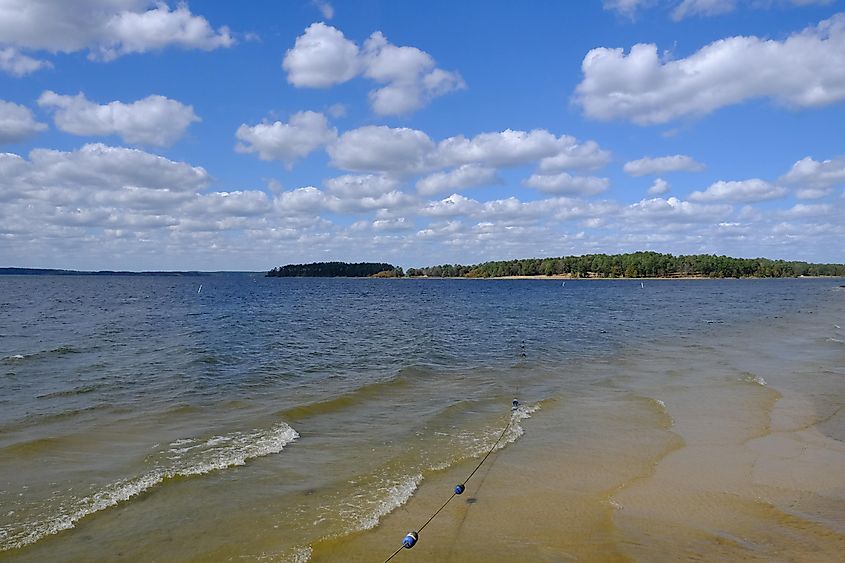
{"type": "Point", "coordinates": [727, 449]}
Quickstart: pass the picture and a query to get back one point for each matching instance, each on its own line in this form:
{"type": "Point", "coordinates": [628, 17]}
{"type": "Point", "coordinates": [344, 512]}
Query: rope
{"type": "Point", "coordinates": [395, 553]}
{"type": "Point", "coordinates": [454, 494]}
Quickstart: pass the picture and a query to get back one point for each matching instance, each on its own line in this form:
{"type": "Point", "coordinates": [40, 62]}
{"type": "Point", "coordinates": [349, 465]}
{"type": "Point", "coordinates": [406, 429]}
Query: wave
{"type": "Point", "coordinates": [187, 458]}
{"type": "Point", "coordinates": [755, 379]}
{"type": "Point", "coordinates": [377, 390]}
{"type": "Point", "coordinates": [362, 512]}
{"type": "Point", "coordinates": [71, 392]}
{"type": "Point", "coordinates": [60, 351]}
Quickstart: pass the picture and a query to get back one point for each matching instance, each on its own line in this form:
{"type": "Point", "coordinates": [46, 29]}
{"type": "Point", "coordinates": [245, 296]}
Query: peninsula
{"type": "Point", "coordinates": [630, 265]}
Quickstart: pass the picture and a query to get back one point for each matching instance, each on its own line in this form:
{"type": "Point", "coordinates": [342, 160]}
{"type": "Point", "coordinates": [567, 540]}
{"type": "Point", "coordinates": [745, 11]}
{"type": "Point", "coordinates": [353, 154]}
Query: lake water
{"type": "Point", "coordinates": [146, 418]}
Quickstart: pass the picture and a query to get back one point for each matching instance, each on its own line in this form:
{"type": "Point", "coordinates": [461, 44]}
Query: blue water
{"type": "Point", "coordinates": [104, 381]}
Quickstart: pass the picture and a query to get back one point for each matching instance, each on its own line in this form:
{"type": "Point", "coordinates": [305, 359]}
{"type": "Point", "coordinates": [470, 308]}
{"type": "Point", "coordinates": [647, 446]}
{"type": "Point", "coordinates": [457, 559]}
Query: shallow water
{"type": "Point", "coordinates": [280, 418]}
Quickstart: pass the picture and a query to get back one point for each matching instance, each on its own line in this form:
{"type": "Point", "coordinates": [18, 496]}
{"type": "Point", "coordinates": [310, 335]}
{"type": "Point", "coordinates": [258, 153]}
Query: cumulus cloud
{"type": "Point", "coordinates": [364, 185]}
{"type": "Point", "coordinates": [410, 76]}
{"type": "Point", "coordinates": [106, 28]}
{"type": "Point", "coordinates": [674, 210]}
{"type": "Point", "coordinates": [18, 64]}
{"type": "Point", "coordinates": [814, 179]}
{"type": "Point", "coordinates": [378, 148]}
{"type": "Point", "coordinates": [17, 123]}
{"type": "Point", "coordinates": [251, 203]}
{"type": "Point", "coordinates": [564, 183]}
{"type": "Point", "coordinates": [465, 176]}
{"type": "Point", "coordinates": [744, 191]}
{"type": "Point", "coordinates": [662, 165]}
{"type": "Point", "coordinates": [514, 148]}
{"type": "Point", "coordinates": [322, 56]}
{"type": "Point", "coordinates": [305, 132]}
{"type": "Point", "coordinates": [407, 151]}
{"type": "Point", "coordinates": [95, 186]}
{"type": "Point", "coordinates": [575, 156]}
{"type": "Point", "coordinates": [807, 69]}
{"type": "Point", "coordinates": [154, 120]}
{"type": "Point", "coordinates": [659, 187]}
{"type": "Point", "coordinates": [800, 210]}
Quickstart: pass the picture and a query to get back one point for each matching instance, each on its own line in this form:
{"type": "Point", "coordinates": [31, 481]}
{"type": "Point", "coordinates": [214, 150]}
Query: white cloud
{"type": "Point", "coordinates": [411, 77]}
{"type": "Point", "coordinates": [807, 69]}
{"type": "Point", "coordinates": [454, 205]}
{"type": "Point", "coordinates": [155, 120]}
{"type": "Point", "coordinates": [17, 64]}
{"type": "Point", "coordinates": [816, 179]}
{"type": "Point", "coordinates": [662, 165]}
{"type": "Point", "coordinates": [96, 186]}
{"type": "Point", "coordinates": [250, 203]}
{"type": "Point", "coordinates": [515, 148]}
{"type": "Point", "coordinates": [365, 185]}
{"type": "Point", "coordinates": [563, 183]}
{"type": "Point", "coordinates": [744, 191]}
{"type": "Point", "coordinates": [673, 210]}
{"type": "Point", "coordinates": [397, 224]}
{"type": "Point", "coordinates": [513, 211]}
{"type": "Point", "coordinates": [17, 123]}
{"type": "Point", "coordinates": [308, 200]}
{"type": "Point", "coordinates": [336, 110]}
{"type": "Point", "coordinates": [627, 8]}
{"type": "Point", "coordinates": [465, 176]}
{"type": "Point", "coordinates": [409, 151]}
{"type": "Point", "coordinates": [322, 56]}
{"type": "Point", "coordinates": [702, 8]}
{"type": "Point", "coordinates": [800, 210]}
{"type": "Point", "coordinates": [382, 149]}
{"type": "Point", "coordinates": [305, 132]}
{"type": "Point", "coordinates": [106, 28]}
{"type": "Point", "coordinates": [325, 8]}
{"type": "Point", "coordinates": [575, 156]}
{"type": "Point", "coordinates": [659, 187]}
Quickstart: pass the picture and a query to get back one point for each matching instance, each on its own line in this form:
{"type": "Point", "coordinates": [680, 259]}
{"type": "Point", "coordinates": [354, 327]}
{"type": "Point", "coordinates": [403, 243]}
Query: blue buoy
{"type": "Point", "coordinates": [410, 540]}
{"type": "Point", "coordinates": [459, 489]}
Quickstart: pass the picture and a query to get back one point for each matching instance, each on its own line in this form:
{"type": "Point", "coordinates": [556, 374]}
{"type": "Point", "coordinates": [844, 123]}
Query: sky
{"type": "Point", "coordinates": [160, 135]}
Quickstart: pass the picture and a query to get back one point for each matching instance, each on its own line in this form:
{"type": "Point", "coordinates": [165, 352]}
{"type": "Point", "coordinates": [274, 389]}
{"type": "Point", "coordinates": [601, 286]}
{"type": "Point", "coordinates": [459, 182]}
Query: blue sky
{"type": "Point", "coordinates": [220, 135]}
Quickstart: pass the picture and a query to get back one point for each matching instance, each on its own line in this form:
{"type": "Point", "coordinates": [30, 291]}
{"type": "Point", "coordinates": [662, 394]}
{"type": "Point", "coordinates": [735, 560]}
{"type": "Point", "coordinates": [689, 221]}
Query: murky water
{"type": "Point", "coordinates": [286, 419]}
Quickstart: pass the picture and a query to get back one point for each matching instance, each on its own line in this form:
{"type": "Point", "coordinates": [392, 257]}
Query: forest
{"type": "Point", "coordinates": [336, 270]}
{"type": "Point", "coordinates": [635, 265]}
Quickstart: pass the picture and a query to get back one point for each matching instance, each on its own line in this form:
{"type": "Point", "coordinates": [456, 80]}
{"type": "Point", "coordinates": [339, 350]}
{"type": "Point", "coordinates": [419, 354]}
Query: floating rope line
{"type": "Point", "coordinates": [410, 540]}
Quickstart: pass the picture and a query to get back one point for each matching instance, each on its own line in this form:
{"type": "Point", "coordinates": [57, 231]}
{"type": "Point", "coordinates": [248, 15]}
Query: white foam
{"type": "Point", "coordinates": [756, 379]}
{"type": "Point", "coordinates": [302, 554]}
{"type": "Point", "coordinates": [240, 447]}
{"type": "Point", "coordinates": [398, 494]}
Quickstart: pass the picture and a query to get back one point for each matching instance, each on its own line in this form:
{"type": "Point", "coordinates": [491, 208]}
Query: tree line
{"type": "Point", "coordinates": [635, 265]}
{"type": "Point", "coordinates": [336, 269]}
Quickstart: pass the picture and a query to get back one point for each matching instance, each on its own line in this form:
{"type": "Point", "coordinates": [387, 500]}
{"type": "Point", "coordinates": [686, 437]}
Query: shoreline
{"type": "Point", "coordinates": [563, 277]}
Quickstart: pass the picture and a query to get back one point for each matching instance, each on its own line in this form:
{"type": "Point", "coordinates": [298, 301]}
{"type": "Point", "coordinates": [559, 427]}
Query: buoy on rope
{"type": "Point", "coordinates": [410, 540]}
